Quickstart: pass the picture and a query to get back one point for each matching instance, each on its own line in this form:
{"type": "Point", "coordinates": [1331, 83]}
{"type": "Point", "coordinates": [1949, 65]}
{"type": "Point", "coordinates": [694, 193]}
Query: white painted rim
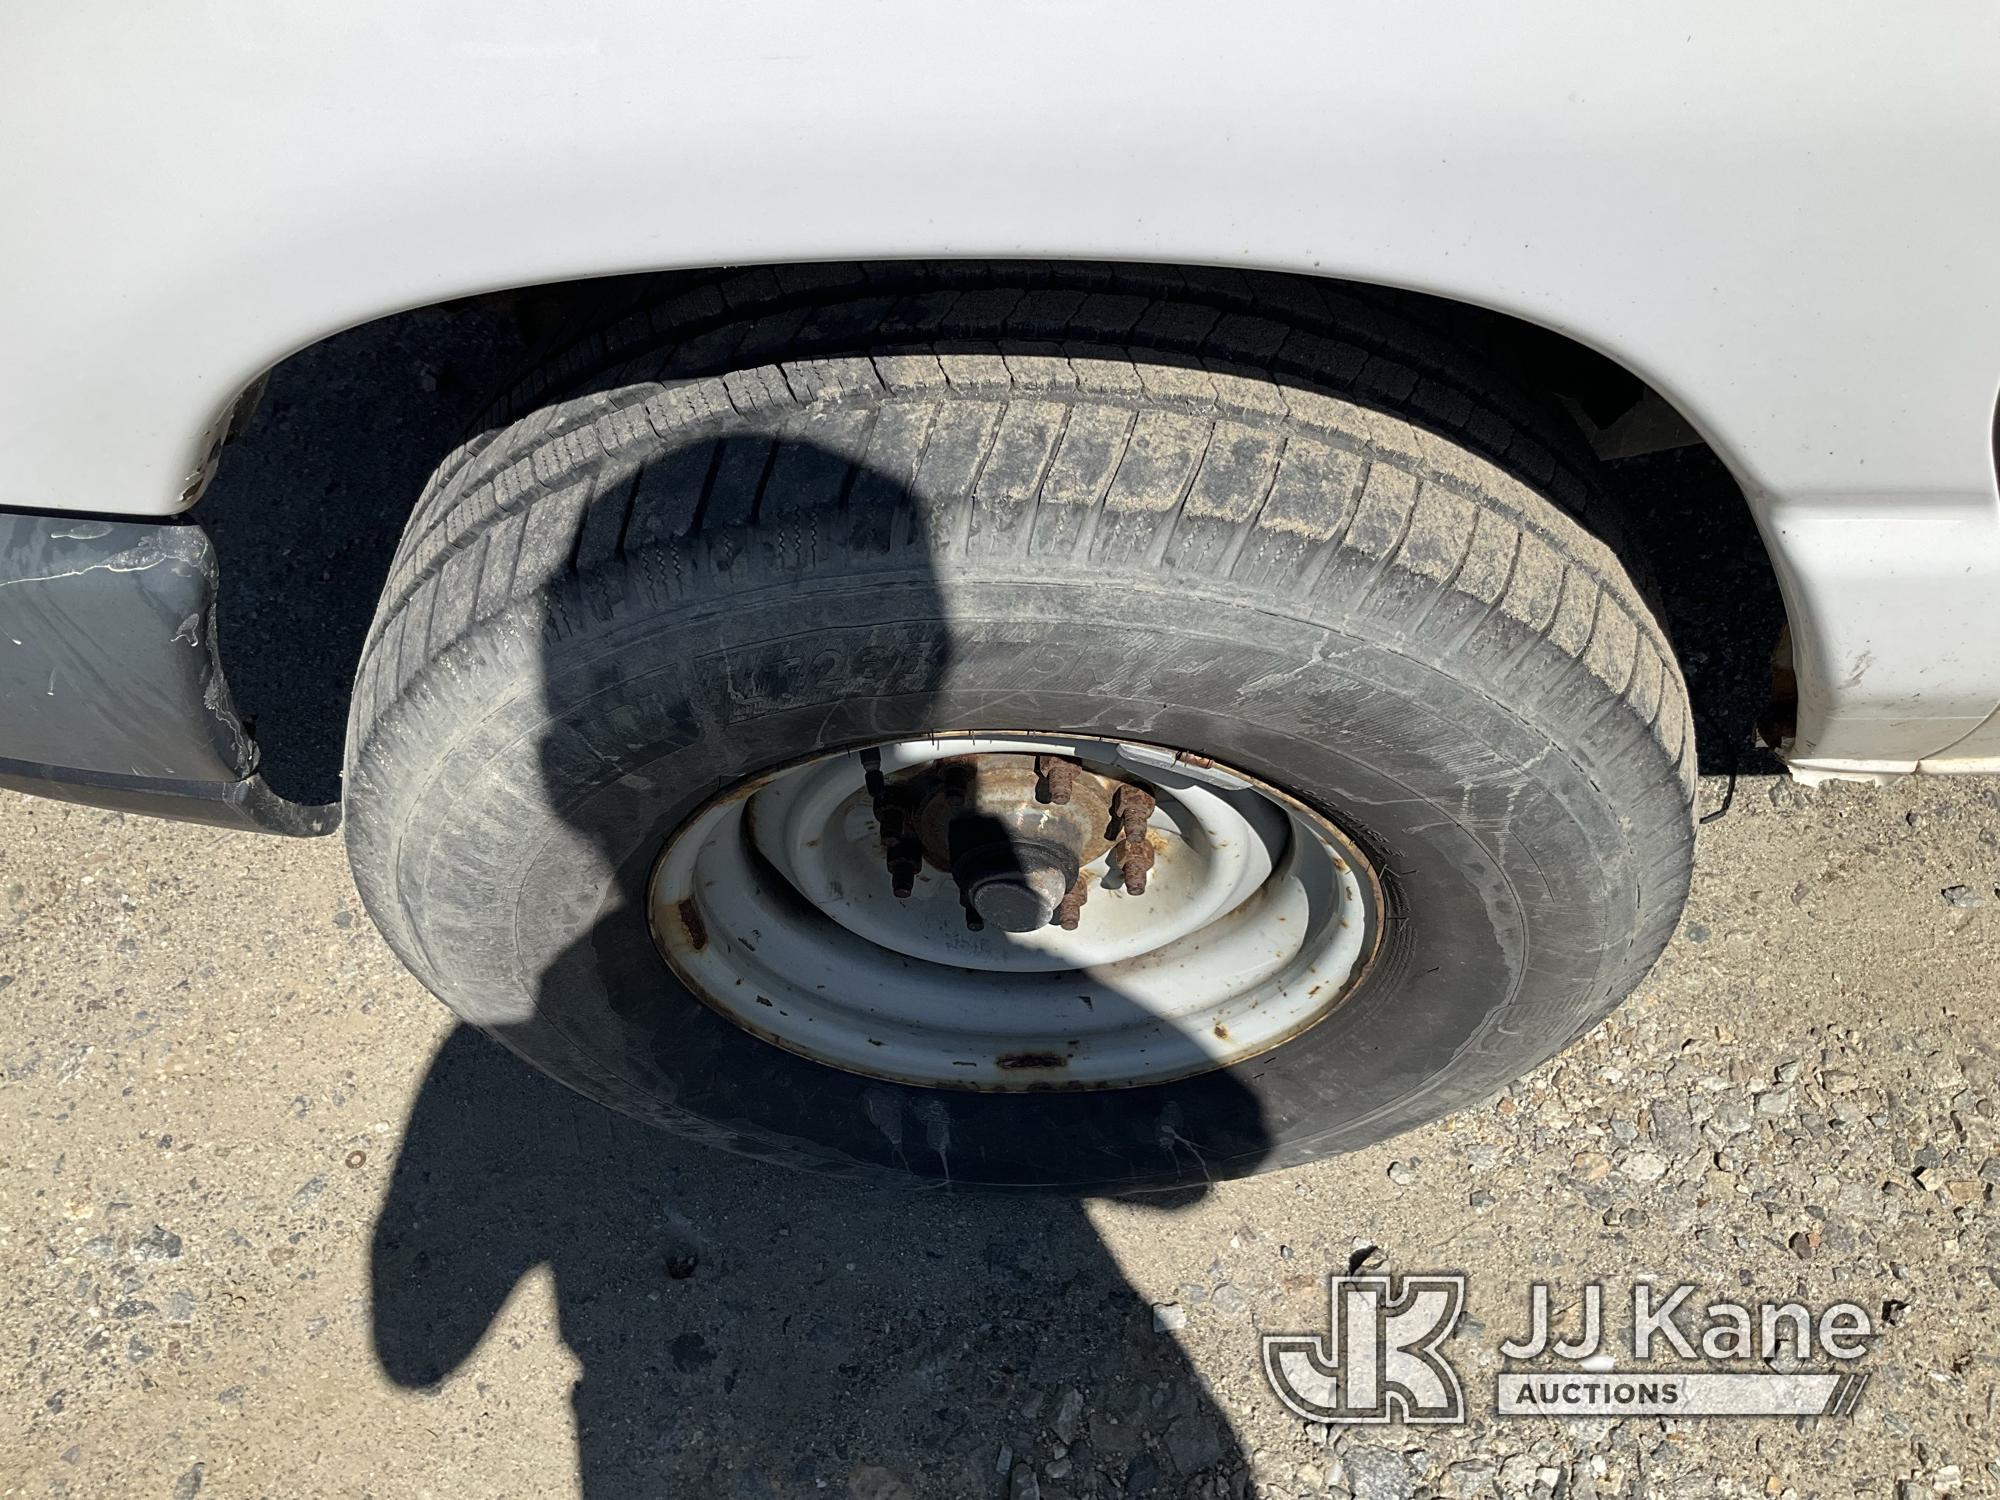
{"type": "Point", "coordinates": [773, 904]}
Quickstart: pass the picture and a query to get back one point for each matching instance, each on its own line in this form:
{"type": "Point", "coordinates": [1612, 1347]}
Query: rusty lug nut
{"type": "Point", "coordinates": [906, 857]}
{"type": "Point", "coordinates": [1069, 910]}
{"type": "Point", "coordinates": [1134, 857]}
{"type": "Point", "coordinates": [1058, 778]}
{"type": "Point", "coordinates": [1132, 806]}
{"type": "Point", "coordinates": [895, 822]}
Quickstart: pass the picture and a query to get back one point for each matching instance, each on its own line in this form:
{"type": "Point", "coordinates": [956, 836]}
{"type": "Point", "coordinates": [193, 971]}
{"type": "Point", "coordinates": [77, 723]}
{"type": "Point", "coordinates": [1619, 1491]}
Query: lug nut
{"type": "Point", "coordinates": [1069, 910]}
{"type": "Point", "coordinates": [1132, 806]}
{"type": "Point", "coordinates": [1131, 855]}
{"type": "Point", "coordinates": [895, 821]}
{"type": "Point", "coordinates": [1058, 778]}
{"type": "Point", "coordinates": [1134, 857]}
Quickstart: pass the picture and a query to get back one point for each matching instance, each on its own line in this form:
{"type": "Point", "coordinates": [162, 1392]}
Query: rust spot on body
{"type": "Point", "coordinates": [697, 930]}
{"type": "Point", "coordinates": [1222, 1031]}
{"type": "Point", "coordinates": [1021, 1060]}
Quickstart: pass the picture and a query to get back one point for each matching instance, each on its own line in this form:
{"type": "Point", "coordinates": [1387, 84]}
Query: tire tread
{"type": "Point", "coordinates": [1242, 432]}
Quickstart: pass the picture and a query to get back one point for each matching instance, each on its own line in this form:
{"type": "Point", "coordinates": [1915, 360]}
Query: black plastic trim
{"type": "Point", "coordinates": [111, 683]}
{"type": "Point", "coordinates": [245, 804]}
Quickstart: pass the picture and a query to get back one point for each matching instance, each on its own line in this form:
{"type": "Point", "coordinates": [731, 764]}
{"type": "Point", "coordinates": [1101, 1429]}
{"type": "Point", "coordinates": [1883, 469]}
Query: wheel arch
{"type": "Point", "coordinates": [263, 516]}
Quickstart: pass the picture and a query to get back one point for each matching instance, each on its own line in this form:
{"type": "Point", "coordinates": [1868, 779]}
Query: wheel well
{"type": "Point", "coordinates": [1618, 414]}
{"type": "Point", "coordinates": [321, 472]}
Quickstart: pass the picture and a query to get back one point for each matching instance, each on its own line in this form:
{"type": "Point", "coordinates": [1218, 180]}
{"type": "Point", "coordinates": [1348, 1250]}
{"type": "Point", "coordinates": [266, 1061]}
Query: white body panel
{"type": "Point", "coordinates": [1786, 217]}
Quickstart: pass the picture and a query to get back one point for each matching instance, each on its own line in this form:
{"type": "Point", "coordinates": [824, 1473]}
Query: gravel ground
{"type": "Point", "coordinates": [274, 1225]}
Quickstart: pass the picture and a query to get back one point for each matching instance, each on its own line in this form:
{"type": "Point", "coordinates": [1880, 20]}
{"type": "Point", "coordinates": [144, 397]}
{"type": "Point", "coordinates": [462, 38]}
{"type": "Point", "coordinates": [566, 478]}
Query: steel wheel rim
{"type": "Point", "coordinates": [773, 906]}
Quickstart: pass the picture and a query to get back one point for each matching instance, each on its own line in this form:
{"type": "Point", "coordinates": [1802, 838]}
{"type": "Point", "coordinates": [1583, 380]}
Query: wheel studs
{"type": "Point", "coordinates": [1058, 778]}
{"type": "Point", "coordinates": [1069, 910]}
{"type": "Point", "coordinates": [1133, 859]}
{"type": "Point", "coordinates": [1051, 815]}
{"type": "Point", "coordinates": [1131, 855]}
{"type": "Point", "coordinates": [902, 849]}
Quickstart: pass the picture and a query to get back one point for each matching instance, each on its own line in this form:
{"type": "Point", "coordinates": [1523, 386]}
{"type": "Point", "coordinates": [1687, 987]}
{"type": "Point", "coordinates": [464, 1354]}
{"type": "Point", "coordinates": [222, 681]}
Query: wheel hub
{"type": "Point", "coordinates": [1014, 831]}
{"type": "Point", "coordinates": [1014, 884]}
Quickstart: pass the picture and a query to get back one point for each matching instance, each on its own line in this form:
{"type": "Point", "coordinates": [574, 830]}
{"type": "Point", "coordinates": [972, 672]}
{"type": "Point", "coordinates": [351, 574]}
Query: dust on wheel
{"type": "Point", "coordinates": [957, 726]}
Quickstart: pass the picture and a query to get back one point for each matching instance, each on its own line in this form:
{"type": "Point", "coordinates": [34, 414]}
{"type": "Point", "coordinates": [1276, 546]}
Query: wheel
{"type": "Point", "coordinates": [1020, 726]}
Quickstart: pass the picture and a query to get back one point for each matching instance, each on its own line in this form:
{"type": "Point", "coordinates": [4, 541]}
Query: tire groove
{"type": "Point", "coordinates": [1156, 550]}
{"type": "Point", "coordinates": [1026, 543]}
{"type": "Point", "coordinates": [1086, 533]}
{"type": "Point", "coordinates": [1226, 566]}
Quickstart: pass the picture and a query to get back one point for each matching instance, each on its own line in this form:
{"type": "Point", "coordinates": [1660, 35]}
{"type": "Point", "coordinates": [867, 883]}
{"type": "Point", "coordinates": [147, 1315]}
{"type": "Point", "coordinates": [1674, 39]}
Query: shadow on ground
{"type": "Point", "coordinates": [741, 1330]}
{"type": "Point", "coordinates": [746, 1331]}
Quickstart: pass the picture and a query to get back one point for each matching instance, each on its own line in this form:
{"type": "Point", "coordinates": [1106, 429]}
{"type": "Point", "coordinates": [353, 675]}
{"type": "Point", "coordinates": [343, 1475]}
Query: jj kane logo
{"type": "Point", "coordinates": [1382, 1356]}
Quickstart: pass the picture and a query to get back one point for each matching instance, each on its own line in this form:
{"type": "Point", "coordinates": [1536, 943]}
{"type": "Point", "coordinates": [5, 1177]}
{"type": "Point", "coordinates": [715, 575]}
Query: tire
{"type": "Point", "coordinates": [751, 519]}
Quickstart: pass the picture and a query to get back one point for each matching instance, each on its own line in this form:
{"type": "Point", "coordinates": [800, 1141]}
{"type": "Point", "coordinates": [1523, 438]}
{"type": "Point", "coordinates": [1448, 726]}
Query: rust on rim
{"type": "Point", "coordinates": [1016, 1061]}
{"type": "Point", "coordinates": [692, 923]}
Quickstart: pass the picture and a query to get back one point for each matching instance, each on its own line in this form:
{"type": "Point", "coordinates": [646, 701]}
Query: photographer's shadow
{"type": "Point", "coordinates": [749, 1331]}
